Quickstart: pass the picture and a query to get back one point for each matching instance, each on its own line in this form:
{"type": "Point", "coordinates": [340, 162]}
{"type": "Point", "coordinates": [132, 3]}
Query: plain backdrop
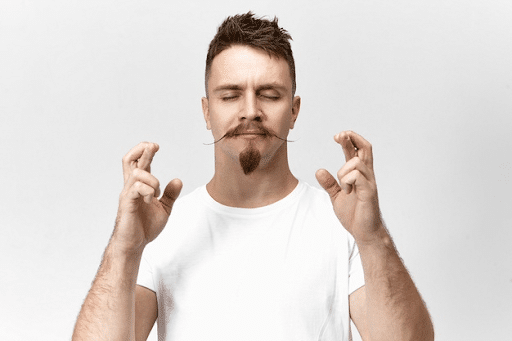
{"type": "Point", "coordinates": [429, 84]}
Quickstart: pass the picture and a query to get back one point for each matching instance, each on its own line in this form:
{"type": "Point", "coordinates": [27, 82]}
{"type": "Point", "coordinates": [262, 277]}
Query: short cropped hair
{"type": "Point", "coordinates": [245, 29]}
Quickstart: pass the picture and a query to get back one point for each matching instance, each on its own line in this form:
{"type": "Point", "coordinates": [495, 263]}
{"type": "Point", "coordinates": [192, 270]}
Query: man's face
{"type": "Point", "coordinates": [248, 92]}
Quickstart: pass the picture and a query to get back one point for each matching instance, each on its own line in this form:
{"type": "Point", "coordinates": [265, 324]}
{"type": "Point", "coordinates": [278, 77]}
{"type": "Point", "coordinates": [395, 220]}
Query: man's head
{"type": "Point", "coordinates": [245, 29]}
{"type": "Point", "coordinates": [250, 105]}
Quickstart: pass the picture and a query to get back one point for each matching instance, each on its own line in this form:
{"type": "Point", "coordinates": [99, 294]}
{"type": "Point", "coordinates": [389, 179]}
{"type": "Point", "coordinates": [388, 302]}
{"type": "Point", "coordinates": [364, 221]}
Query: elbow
{"type": "Point", "coordinates": [430, 333]}
{"type": "Point", "coordinates": [420, 329]}
{"type": "Point", "coordinates": [424, 327]}
{"type": "Point", "coordinates": [429, 327]}
{"type": "Point", "coordinates": [424, 331]}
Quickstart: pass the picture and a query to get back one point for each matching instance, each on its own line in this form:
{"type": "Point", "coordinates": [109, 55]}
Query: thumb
{"type": "Point", "coordinates": [327, 181]}
{"type": "Point", "coordinates": [171, 193]}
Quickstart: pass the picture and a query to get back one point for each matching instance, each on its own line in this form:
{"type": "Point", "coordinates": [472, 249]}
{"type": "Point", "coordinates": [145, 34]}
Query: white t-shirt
{"type": "Point", "coordinates": [279, 272]}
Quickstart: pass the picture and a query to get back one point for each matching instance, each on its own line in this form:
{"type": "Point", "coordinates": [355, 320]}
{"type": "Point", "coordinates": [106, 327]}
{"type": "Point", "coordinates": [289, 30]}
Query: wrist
{"type": "Point", "coordinates": [118, 248]}
{"type": "Point", "coordinates": [378, 238]}
{"type": "Point", "coordinates": [119, 268]}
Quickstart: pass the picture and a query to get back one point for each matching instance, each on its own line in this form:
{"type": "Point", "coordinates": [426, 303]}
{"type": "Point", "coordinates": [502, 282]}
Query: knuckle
{"type": "Point", "coordinates": [137, 173]}
{"type": "Point", "coordinates": [340, 173]}
{"type": "Point", "coordinates": [134, 175]}
{"type": "Point", "coordinates": [148, 146]}
{"type": "Point", "coordinates": [122, 195]}
{"type": "Point", "coordinates": [137, 185]}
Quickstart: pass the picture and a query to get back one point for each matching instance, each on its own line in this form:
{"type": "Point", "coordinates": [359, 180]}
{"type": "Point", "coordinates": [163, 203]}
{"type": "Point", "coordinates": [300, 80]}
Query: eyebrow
{"type": "Point", "coordinates": [269, 86]}
{"type": "Point", "coordinates": [227, 87]}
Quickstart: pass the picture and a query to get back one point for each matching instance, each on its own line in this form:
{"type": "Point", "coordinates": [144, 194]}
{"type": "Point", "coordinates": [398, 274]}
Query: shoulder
{"type": "Point", "coordinates": [316, 207]}
{"type": "Point", "coordinates": [317, 200]}
{"type": "Point", "coordinates": [184, 216]}
{"type": "Point", "coordinates": [192, 199]}
{"type": "Point", "coordinates": [315, 192]}
{"type": "Point", "coordinates": [320, 207]}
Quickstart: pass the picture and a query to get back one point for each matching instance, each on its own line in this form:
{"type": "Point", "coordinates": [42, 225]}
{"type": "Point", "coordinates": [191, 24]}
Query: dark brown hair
{"type": "Point", "coordinates": [245, 29]}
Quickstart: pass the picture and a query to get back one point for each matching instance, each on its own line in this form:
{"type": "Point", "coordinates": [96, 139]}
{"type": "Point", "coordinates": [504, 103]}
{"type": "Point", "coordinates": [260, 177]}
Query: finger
{"type": "Point", "coordinates": [147, 156]}
{"type": "Point", "coordinates": [131, 158]}
{"type": "Point", "coordinates": [171, 193]}
{"type": "Point", "coordinates": [140, 189]}
{"type": "Point", "coordinates": [344, 140]}
{"type": "Point", "coordinates": [356, 180]}
{"type": "Point", "coordinates": [327, 181]}
{"type": "Point", "coordinates": [364, 148]}
{"type": "Point", "coordinates": [355, 164]}
{"type": "Point", "coordinates": [144, 177]}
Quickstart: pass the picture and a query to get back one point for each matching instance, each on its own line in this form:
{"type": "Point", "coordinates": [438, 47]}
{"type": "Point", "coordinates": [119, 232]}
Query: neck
{"type": "Point", "coordinates": [268, 184]}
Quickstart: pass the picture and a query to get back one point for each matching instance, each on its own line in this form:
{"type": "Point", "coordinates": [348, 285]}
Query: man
{"type": "Point", "coordinates": [255, 254]}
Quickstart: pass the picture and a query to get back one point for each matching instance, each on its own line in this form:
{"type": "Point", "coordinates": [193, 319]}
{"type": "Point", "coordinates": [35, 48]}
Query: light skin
{"type": "Point", "coordinates": [249, 87]}
{"type": "Point", "coordinates": [115, 308]}
{"type": "Point", "coordinates": [246, 86]}
{"type": "Point", "coordinates": [388, 307]}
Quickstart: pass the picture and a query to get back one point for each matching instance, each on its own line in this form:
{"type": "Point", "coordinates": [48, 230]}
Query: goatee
{"type": "Point", "coordinates": [249, 159]}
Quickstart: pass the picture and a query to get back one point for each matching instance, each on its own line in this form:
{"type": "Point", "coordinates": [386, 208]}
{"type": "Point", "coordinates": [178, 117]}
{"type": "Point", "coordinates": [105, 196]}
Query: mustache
{"type": "Point", "coordinates": [244, 128]}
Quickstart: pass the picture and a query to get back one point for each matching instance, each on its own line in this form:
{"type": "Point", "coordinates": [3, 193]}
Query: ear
{"type": "Point", "coordinates": [206, 112]}
{"type": "Point", "coordinates": [295, 110]}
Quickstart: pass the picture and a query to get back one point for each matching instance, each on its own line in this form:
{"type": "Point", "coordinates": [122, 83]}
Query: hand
{"type": "Point", "coordinates": [354, 199]}
{"type": "Point", "coordinates": [141, 215]}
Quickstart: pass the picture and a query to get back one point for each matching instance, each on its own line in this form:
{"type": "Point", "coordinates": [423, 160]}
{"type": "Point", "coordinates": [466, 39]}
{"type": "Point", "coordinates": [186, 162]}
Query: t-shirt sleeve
{"type": "Point", "coordinates": [145, 277]}
{"type": "Point", "coordinates": [355, 267]}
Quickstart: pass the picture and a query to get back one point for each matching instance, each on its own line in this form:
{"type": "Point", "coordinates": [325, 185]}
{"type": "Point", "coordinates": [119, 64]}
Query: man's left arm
{"type": "Point", "coordinates": [388, 307]}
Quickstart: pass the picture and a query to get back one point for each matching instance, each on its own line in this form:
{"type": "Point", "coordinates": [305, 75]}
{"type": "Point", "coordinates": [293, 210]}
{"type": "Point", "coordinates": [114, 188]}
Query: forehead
{"type": "Point", "coordinates": [244, 65]}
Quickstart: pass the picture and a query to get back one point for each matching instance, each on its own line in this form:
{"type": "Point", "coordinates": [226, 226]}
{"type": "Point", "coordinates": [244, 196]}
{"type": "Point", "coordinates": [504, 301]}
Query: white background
{"type": "Point", "coordinates": [429, 84]}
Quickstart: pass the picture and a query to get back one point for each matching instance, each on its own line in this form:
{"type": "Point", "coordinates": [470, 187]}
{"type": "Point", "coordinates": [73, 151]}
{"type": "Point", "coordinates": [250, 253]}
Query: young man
{"type": "Point", "coordinates": [255, 254]}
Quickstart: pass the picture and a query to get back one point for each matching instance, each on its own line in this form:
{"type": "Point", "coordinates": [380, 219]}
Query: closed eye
{"type": "Point", "coordinates": [229, 98]}
{"type": "Point", "coordinates": [272, 98]}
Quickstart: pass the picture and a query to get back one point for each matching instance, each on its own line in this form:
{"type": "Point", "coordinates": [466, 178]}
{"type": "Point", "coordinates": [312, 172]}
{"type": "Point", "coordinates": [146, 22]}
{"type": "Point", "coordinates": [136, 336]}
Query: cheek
{"type": "Point", "coordinates": [282, 117]}
{"type": "Point", "coordinates": [216, 129]}
{"type": "Point", "coordinates": [218, 125]}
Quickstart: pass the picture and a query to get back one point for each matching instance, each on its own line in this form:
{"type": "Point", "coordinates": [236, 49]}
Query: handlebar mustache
{"type": "Point", "coordinates": [245, 128]}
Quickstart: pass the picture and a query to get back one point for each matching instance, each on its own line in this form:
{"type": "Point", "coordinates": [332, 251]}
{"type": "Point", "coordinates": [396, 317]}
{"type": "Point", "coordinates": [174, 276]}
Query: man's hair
{"type": "Point", "coordinates": [245, 29]}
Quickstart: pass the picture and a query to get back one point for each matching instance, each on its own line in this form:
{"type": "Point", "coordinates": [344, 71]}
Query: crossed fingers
{"type": "Point", "coordinates": [358, 169]}
{"type": "Point", "coordinates": [139, 182]}
{"type": "Point", "coordinates": [354, 144]}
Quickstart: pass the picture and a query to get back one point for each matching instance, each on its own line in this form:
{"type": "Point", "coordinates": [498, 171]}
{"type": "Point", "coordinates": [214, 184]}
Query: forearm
{"type": "Point", "coordinates": [394, 306]}
{"type": "Point", "coordinates": [108, 312]}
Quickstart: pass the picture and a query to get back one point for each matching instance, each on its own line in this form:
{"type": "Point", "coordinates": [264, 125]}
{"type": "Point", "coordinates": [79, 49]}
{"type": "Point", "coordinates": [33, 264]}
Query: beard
{"type": "Point", "coordinates": [249, 159]}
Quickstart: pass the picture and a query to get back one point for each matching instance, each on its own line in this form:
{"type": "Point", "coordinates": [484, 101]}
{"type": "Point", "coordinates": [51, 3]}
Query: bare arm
{"type": "Point", "coordinates": [394, 309]}
{"type": "Point", "coordinates": [109, 310]}
{"type": "Point", "coordinates": [146, 312]}
{"type": "Point", "coordinates": [392, 305]}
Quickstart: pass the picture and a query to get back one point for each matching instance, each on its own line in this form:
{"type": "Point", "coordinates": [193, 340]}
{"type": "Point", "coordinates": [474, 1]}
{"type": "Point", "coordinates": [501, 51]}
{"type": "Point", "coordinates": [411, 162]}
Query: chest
{"type": "Point", "coordinates": [268, 267]}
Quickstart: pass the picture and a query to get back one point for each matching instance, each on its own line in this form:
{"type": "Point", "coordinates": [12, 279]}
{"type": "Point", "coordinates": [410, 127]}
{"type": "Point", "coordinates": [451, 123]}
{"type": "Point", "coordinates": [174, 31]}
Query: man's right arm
{"type": "Point", "coordinates": [108, 312]}
{"type": "Point", "coordinates": [114, 301]}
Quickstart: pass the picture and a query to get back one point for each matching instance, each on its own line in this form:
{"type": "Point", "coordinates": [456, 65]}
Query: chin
{"type": "Point", "coordinates": [249, 160]}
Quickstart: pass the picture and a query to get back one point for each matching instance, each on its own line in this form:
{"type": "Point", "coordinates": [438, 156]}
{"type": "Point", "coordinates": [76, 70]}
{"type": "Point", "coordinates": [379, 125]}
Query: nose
{"type": "Point", "coordinates": [251, 110]}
